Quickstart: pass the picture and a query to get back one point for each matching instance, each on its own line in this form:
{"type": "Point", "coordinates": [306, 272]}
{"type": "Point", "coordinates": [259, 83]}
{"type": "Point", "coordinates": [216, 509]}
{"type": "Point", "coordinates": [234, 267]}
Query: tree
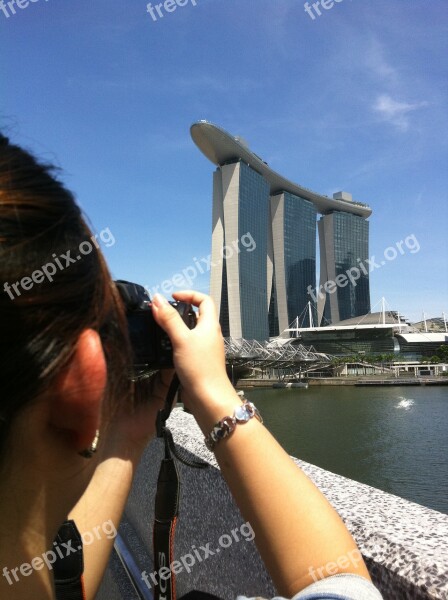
{"type": "Point", "coordinates": [370, 358]}
{"type": "Point", "coordinates": [442, 353]}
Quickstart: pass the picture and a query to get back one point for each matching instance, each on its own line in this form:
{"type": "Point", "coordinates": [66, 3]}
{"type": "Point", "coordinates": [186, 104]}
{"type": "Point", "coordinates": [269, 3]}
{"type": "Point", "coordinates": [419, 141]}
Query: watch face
{"type": "Point", "coordinates": [241, 414]}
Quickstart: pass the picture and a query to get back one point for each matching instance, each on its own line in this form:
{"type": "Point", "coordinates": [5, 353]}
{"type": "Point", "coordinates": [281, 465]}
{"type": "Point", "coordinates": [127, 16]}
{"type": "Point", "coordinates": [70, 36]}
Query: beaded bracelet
{"type": "Point", "coordinates": [226, 426]}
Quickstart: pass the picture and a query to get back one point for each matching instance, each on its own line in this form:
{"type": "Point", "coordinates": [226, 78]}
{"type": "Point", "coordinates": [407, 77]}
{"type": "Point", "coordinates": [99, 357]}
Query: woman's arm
{"type": "Point", "coordinates": [296, 530]}
{"type": "Point", "coordinates": [99, 511]}
{"type": "Point", "coordinates": [98, 514]}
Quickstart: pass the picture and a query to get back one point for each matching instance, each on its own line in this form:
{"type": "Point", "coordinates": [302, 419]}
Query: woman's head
{"type": "Point", "coordinates": [51, 291]}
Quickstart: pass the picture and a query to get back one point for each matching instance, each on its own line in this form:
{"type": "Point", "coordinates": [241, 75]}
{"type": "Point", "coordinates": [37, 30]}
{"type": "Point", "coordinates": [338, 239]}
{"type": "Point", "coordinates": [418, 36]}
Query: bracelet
{"type": "Point", "coordinates": [226, 426]}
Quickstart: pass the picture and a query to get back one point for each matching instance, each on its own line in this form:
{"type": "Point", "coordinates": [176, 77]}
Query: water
{"type": "Point", "coordinates": [392, 438]}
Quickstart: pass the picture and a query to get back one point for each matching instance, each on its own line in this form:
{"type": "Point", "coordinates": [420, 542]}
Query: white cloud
{"type": "Point", "coordinates": [396, 113]}
{"type": "Point", "coordinates": [376, 62]}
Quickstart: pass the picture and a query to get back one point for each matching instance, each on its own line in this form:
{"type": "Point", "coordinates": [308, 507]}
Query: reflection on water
{"type": "Point", "coordinates": [392, 438]}
{"type": "Point", "coordinates": [405, 403]}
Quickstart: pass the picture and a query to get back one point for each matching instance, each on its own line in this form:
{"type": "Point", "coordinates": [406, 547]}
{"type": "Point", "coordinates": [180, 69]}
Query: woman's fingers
{"type": "Point", "coordinates": [199, 355]}
{"type": "Point", "coordinates": [207, 310]}
{"type": "Point", "coordinates": [168, 318]}
{"type": "Point", "coordinates": [190, 296]}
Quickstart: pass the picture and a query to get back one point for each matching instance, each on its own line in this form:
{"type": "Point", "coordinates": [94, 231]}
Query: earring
{"type": "Point", "coordinates": [89, 452]}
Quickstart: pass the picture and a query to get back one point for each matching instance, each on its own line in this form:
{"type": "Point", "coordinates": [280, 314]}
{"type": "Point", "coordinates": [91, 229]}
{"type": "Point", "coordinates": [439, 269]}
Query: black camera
{"type": "Point", "coordinates": [151, 346]}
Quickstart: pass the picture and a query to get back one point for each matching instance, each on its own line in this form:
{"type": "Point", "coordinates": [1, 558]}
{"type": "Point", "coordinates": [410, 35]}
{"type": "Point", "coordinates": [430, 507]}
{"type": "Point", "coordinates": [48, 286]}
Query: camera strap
{"type": "Point", "coordinates": [167, 503]}
{"type": "Point", "coordinates": [68, 570]}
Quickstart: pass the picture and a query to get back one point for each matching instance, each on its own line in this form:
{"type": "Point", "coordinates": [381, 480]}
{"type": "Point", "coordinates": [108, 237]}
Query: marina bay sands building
{"type": "Point", "coordinates": [344, 248]}
{"type": "Point", "coordinates": [264, 245]}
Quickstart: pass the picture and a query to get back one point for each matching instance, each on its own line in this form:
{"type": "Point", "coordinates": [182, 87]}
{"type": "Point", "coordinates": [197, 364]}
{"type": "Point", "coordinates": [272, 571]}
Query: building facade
{"type": "Point", "coordinates": [344, 251]}
{"type": "Point", "coordinates": [239, 276]}
{"type": "Point", "coordinates": [293, 227]}
{"type": "Point", "coordinates": [260, 292]}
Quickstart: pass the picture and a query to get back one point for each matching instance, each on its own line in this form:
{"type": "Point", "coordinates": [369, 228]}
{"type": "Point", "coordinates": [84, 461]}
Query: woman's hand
{"type": "Point", "coordinates": [133, 424]}
{"type": "Point", "coordinates": [199, 357]}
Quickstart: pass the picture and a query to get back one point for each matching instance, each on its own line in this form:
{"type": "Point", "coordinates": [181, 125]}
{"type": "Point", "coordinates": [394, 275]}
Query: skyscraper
{"type": "Point", "coordinates": [239, 279]}
{"type": "Point", "coordinates": [293, 225]}
{"type": "Point", "coordinates": [344, 249]}
{"type": "Point", "coordinates": [260, 292]}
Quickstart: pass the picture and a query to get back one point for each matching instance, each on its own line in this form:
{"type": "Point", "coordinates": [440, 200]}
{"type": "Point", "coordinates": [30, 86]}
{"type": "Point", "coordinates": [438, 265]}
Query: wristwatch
{"type": "Point", "coordinates": [242, 413]}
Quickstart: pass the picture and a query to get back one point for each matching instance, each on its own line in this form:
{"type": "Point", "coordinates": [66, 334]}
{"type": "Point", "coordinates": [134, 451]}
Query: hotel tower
{"type": "Point", "coordinates": [262, 287]}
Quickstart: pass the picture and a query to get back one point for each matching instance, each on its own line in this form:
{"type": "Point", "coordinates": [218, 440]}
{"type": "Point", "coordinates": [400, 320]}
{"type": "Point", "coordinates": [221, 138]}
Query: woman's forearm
{"type": "Point", "coordinates": [97, 516]}
{"type": "Point", "coordinates": [297, 531]}
{"type": "Point", "coordinates": [122, 442]}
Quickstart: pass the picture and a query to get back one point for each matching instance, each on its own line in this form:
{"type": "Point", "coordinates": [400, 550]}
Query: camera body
{"type": "Point", "coordinates": [151, 346]}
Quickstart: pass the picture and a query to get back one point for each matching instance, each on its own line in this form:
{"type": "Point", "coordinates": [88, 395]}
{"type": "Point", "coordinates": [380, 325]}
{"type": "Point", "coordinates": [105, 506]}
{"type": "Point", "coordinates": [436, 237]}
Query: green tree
{"type": "Point", "coordinates": [442, 353]}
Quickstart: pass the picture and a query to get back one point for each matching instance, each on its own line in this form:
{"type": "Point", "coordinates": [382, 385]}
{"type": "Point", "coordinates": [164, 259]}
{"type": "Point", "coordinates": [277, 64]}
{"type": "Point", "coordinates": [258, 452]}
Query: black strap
{"type": "Point", "coordinates": [167, 503]}
{"type": "Point", "coordinates": [166, 512]}
{"type": "Point", "coordinates": [166, 506]}
{"type": "Point", "coordinates": [164, 432]}
{"type": "Point", "coordinates": [197, 595]}
{"type": "Point", "coordinates": [68, 567]}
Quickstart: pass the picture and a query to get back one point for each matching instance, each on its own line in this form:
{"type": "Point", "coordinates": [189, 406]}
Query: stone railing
{"type": "Point", "coordinates": [405, 545]}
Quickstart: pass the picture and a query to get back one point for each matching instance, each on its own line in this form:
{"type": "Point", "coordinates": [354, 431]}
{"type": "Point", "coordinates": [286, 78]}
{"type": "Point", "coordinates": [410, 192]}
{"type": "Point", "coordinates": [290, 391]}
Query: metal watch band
{"type": "Point", "coordinates": [242, 413]}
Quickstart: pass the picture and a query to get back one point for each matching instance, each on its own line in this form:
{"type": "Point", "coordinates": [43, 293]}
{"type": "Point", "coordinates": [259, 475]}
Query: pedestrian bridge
{"type": "Point", "coordinates": [279, 354]}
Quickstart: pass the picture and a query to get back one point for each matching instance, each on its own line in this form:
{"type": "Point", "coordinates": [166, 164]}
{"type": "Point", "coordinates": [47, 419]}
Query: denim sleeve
{"type": "Point", "coordinates": [338, 587]}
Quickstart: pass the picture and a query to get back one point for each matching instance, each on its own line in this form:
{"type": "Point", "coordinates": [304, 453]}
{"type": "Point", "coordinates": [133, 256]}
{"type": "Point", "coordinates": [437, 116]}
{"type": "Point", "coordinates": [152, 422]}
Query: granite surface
{"type": "Point", "coordinates": [404, 544]}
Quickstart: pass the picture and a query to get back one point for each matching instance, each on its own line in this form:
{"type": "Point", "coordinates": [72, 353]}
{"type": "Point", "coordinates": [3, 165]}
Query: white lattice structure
{"type": "Point", "coordinates": [285, 355]}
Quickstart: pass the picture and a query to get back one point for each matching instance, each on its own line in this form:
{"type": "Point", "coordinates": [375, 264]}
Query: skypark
{"type": "Point", "coordinates": [220, 147]}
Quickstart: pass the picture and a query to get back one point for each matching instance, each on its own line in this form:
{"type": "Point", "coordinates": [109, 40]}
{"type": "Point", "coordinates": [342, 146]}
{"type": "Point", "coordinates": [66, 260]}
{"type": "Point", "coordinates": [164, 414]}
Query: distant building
{"type": "Point", "coordinates": [436, 324]}
{"type": "Point", "coordinates": [344, 250]}
{"type": "Point", "coordinates": [260, 292]}
{"type": "Point", "coordinates": [375, 333]}
{"type": "Point", "coordinates": [239, 278]}
{"type": "Point", "coordinates": [293, 226]}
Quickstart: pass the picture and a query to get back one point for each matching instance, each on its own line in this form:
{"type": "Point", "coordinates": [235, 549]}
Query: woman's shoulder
{"type": "Point", "coordinates": [338, 587]}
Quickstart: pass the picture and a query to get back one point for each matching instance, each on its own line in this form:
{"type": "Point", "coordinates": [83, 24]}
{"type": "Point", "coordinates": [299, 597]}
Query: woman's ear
{"type": "Point", "coordinates": [76, 406]}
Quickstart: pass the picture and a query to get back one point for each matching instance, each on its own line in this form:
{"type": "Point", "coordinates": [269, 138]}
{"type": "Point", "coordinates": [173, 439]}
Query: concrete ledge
{"type": "Point", "coordinates": [354, 381]}
{"type": "Point", "coordinates": [404, 544]}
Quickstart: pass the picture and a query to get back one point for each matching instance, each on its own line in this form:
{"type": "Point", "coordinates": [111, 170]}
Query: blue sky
{"type": "Point", "coordinates": [355, 99]}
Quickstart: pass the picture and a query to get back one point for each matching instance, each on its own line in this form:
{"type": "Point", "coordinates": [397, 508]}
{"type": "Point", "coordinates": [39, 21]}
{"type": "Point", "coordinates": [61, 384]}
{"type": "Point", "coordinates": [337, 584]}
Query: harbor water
{"type": "Point", "coordinates": [392, 438]}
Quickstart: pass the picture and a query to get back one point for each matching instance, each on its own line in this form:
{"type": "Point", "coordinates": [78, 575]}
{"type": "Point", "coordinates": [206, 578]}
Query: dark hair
{"type": "Point", "coordinates": [40, 326]}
